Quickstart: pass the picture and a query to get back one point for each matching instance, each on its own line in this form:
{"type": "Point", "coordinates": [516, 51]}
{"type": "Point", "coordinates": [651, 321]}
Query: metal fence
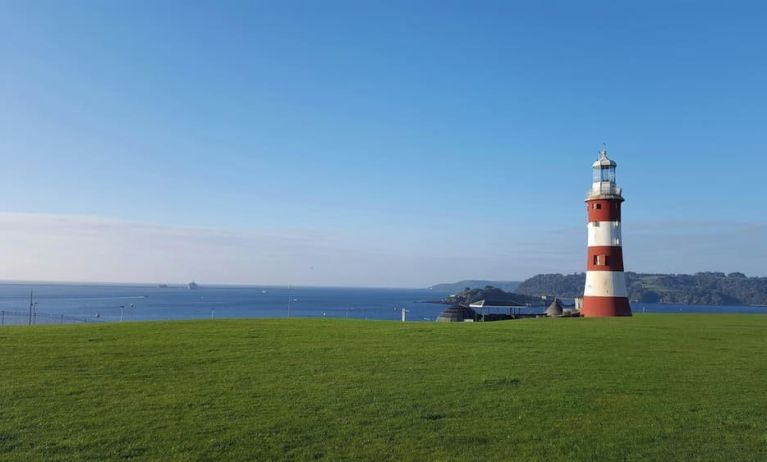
{"type": "Point", "coordinates": [604, 190]}
{"type": "Point", "coordinates": [18, 318]}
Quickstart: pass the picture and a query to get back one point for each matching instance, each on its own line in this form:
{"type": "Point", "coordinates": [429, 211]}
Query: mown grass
{"type": "Point", "coordinates": [652, 387]}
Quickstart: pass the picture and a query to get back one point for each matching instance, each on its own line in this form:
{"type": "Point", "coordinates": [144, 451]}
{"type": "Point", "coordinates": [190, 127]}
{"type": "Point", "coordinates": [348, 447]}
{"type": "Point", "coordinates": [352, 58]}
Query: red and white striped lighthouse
{"type": "Point", "coordinates": [605, 293]}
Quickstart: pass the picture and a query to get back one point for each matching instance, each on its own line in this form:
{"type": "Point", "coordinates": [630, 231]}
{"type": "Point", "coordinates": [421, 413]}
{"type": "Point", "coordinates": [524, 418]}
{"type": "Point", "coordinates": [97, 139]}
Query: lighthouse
{"type": "Point", "coordinates": [605, 292]}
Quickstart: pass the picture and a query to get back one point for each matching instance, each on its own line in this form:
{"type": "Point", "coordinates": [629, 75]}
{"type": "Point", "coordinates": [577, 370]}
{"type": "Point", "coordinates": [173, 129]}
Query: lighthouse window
{"type": "Point", "coordinates": [600, 260]}
{"type": "Point", "coordinates": [596, 206]}
{"type": "Point", "coordinates": [606, 174]}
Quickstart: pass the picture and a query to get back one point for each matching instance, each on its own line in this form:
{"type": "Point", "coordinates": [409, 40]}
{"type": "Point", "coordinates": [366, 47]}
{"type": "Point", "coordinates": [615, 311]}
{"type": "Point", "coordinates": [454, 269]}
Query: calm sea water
{"type": "Point", "coordinates": [144, 302]}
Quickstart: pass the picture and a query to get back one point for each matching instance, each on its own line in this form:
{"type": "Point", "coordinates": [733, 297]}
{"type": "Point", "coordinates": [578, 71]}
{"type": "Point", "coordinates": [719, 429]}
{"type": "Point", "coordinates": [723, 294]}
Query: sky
{"type": "Point", "coordinates": [375, 143]}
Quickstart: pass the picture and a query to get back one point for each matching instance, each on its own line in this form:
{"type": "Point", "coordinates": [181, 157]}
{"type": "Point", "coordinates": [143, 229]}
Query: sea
{"type": "Point", "coordinates": [53, 303]}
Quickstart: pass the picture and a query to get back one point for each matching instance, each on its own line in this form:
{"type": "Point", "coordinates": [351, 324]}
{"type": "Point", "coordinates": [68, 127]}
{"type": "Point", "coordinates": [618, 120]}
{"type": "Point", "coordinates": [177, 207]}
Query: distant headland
{"type": "Point", "coordinates": [453, 287]}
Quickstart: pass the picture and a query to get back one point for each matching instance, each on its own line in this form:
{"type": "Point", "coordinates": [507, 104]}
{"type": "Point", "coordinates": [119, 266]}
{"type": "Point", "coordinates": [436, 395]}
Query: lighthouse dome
{"type": "Point", "coordinates": [604, 161]}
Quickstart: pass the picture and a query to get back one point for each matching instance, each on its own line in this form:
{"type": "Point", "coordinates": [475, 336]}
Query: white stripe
{"type": "Point", "coordinates": [605, 284]}
{"type": "Point", "coordinates": [604, 233]}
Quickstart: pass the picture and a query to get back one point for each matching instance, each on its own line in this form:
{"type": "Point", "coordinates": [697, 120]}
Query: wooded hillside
{"type": "Point", "coordinates": [707, 288]}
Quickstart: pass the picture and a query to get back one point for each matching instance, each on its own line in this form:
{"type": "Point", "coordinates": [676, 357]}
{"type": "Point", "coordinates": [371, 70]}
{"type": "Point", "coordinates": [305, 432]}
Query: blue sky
{"type": "Point", "coordinates": [375, 143]}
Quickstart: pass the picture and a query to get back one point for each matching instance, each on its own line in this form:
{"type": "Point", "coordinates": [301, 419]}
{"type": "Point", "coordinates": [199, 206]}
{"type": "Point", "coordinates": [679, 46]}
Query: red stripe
{"type": "Point", "coordinates": [604, 209]}
{"type": "Point", "coordinates": [595, 307]}
{"type": "Point", "coordinates": [604, 258]}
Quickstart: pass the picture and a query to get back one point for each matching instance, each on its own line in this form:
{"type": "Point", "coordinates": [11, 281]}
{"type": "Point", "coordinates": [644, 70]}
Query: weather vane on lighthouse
{"type": "Point", "coordinates": [605, 292]}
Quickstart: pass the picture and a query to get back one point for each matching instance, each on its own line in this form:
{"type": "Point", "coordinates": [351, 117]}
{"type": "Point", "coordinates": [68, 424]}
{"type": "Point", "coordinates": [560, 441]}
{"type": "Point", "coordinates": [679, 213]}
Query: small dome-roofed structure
{"type": "Point", "coordinates": [456, 314]}
{"type": "Point", "coordinates": [555, 309]}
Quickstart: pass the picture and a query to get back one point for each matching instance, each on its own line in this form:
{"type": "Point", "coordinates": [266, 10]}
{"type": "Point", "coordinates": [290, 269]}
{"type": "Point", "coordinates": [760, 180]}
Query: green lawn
{"type": "Point", "coordinates": [651, 387]}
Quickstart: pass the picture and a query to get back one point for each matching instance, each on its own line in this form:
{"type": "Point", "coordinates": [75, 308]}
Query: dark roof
{"type": "Point", "coordinates": [456, 314]}
{"type": "Point", "coordinates": [555, 309]}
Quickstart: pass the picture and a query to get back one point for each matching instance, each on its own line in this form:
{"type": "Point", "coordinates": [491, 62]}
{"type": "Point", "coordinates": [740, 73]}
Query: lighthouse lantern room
{"type": "Point", "coordinates": [605, 292]}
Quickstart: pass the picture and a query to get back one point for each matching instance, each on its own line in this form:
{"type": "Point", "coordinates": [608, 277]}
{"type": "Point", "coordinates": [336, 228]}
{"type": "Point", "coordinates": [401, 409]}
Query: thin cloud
{"type": "Point", "coordinates": [85, 248]}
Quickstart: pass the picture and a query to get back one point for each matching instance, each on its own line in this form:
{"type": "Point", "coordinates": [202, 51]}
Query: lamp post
{"type": "Point", "coordinates": [30, 307]}
{"type": "Point", "coordinates": [122, 311]}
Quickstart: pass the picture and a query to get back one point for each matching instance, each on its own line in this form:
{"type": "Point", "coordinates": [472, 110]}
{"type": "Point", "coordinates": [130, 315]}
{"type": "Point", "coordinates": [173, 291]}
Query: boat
{"type": "Point", "coordinates": [193, 285]}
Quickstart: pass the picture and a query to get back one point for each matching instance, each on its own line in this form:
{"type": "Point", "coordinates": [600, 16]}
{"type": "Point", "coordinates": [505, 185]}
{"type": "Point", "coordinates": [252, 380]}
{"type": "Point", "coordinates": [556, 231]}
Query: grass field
{"type": "Point", "coordinates": [652, 387]}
